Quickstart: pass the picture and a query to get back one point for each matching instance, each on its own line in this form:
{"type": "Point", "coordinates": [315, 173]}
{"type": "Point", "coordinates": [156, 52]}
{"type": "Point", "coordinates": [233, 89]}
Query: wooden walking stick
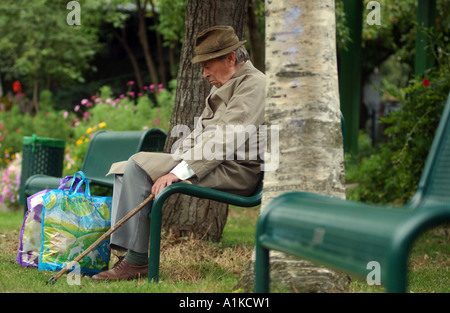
{"type": "Point", "coordinates": [103, 237]}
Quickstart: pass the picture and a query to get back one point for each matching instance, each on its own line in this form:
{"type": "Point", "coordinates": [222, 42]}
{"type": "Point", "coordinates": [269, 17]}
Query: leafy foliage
{"type": "Point", "coordinates": [127, 111]}
{"type": "Point", "coordinates": [42, 44]}
{"type": "Point", "coordinates": [171, 20]}
{"type": "Point", "coordinates": [392, 174]}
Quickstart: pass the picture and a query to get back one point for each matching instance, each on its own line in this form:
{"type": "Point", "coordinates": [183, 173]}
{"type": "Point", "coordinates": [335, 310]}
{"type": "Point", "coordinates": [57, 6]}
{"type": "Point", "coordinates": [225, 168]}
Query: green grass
{"type": "Point", "coordinates": [187, 265]}
{"type": "Point", "coordinates": [195, 266]}
{"type": "Point", "coordinates": [429, 264]}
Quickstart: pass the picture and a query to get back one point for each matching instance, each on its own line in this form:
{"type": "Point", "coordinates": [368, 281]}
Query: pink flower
{"type": "Point", "coordinates": [156, 121]}
{"type": "Point", "coordinates": [132, 93]}
{"type": "Point", "coordinates": [84, 101]}
{"type": "Point", "coordinates": [77, 107]}
{"type": "Point", "coordinates": [66, 114]}
{"type": "Point", "coordinates": [130, 83]}
{"type": "Point", "coordinates": [160, 87]}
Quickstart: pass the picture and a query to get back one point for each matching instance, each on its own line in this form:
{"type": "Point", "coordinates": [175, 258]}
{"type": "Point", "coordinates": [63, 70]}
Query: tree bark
{"type": "Point", "coordinates": [137, 73]}
{"type": "Point", "coordinates": [255, 39]}
{"type": "Point", "coordinates": [142, 34]}
{"type": "Point", "coordinates": [159, 48]}
{"type": "Point", "coordinates": [302, 100]}
{"type": "Point", "coordinates": [186, 215]}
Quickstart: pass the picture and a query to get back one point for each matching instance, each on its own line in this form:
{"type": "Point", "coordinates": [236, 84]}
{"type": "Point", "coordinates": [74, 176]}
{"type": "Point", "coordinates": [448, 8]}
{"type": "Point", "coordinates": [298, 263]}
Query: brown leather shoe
{"type": "Point", "coordinates": [123, 270]}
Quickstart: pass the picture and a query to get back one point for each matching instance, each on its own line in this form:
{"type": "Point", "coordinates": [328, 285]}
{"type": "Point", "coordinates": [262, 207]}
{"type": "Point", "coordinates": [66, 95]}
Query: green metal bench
{"type": "Point", "coordinates": [347, 235]}
{"type": "Point", "coordinates": [192, 190]}
{"type": "Point", "coordinates": [105, 148]}
{"type": "Point", "coordinates": [201, 192]}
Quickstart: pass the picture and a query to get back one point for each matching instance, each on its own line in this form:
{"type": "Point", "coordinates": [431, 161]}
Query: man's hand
{"type": "Point", "coordinates": [164, 181]}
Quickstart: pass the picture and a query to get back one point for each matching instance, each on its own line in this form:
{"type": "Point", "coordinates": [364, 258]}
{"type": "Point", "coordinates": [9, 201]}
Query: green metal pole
{"type": "Point", "coordinates": [350, 75]}
{"type": "Point", "coordinates": [155, 238]}
{"type": "Point", "coordinates": [262, 269]}
{"type": "Point", "coordinates": [426, 12]}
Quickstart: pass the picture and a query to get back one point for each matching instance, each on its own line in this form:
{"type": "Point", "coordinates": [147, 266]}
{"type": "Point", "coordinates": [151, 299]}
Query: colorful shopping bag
{"type": "Point", "coordinates": [30, 233]}
{"type": "Point", "coordinates": [71, 222]}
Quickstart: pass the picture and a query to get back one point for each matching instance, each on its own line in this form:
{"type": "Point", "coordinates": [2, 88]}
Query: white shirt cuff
{"type": "Point", "coordinates": [183, 171]}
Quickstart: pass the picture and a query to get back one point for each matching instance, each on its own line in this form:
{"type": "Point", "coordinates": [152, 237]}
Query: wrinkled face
{"type": "Point", "coordinates": [219, 71]}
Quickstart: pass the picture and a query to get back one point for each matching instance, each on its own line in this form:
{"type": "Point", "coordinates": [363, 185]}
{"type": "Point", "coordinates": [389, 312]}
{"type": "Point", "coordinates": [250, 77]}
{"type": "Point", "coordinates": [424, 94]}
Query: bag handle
{"type": "Point", "coordinates": [82, 178]}
{"type": "Point", "coordinates": [63, 181]}
{"type": "Point", "coordinates": [87, 190]}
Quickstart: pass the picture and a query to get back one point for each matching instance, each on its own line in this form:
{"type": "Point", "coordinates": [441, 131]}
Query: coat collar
{"type": "Point", "coordinates": [243, 70]}
{"type": "Point", "coordinates": [223, 92]}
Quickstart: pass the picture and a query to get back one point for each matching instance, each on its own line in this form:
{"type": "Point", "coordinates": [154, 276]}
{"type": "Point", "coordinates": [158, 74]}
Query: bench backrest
{"type": "Point", "coordinates": [107, 147]}
{"type": "Point", "coordinates": [434, 185]}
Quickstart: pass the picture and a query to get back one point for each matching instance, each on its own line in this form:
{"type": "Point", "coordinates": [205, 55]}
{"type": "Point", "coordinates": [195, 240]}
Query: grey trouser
{"type": "Point", "coordinates": [130, 189]}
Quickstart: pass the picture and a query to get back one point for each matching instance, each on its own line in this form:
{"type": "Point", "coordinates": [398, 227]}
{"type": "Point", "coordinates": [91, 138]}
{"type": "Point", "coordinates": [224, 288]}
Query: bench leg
{"type": "Point", "coordinates": [155, 241]}
{"type": "Point", "coordinates": [397, 271]}
{"type": "Point", "coordinates": [262, 269]}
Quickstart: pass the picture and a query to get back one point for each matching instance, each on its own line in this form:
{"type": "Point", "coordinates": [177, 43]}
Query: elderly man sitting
{"type": "Point", "coordinates": [236, 98]}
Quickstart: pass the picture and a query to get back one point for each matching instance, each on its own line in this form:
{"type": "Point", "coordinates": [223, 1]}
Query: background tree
{"type": "Point", "coordinates": [184, 214]}
{"type": "Point", "coordinates": [171, 26]}
{"type": "Point", "coordinates": [37, 43]}
{"type": "Point", "coordinates": [255, 32]}
{"type": "Point", "coordinates": [115, 21]}
{"type": "Point", "coordinates": [302, 99]}
{"type": "Point", "coordinates": [141, 7]}
{"type": "Point", "coordinates": [159, 29]}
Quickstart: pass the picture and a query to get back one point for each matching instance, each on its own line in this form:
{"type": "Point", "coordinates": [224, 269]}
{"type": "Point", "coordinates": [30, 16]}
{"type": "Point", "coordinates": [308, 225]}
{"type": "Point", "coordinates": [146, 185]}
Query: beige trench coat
{"type": "Point", "coordinates": [211, 150]}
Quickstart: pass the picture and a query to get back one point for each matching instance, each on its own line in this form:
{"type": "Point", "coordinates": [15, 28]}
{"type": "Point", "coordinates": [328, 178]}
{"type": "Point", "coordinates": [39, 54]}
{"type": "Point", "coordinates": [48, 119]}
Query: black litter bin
{"type": "Point", "coordinates": [40, 156]}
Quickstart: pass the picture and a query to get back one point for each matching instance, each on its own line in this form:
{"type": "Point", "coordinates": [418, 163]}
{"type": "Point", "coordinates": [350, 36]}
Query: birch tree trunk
{"type": "Point", "coordinates": [302, 99]}
{"type": "Point", "coordinates": [186, 215]}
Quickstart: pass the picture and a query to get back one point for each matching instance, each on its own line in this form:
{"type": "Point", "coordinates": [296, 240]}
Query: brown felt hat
{"type": "Point", "coordinates": [214, 42]}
